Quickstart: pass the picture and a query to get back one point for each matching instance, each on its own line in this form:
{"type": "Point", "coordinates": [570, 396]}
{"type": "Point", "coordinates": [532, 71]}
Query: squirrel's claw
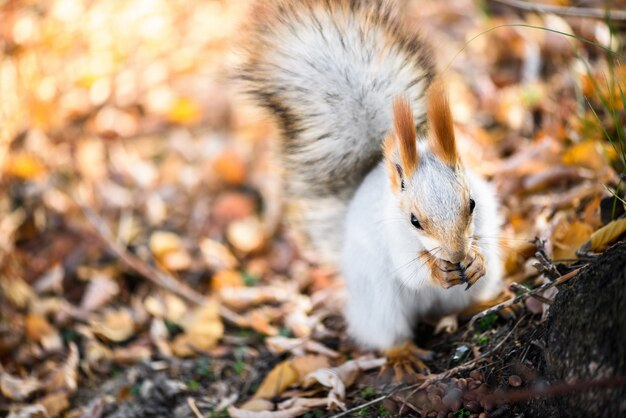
{"type": "Point", "coordinates": [407, 361]}
{"type": "Point", "coordinates": [475, 269]}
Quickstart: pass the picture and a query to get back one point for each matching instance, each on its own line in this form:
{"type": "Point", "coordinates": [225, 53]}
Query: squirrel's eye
{"type": "Point", "coordinates": [472, 206]}
{"type": "Point", "coordinates": [415, 222]}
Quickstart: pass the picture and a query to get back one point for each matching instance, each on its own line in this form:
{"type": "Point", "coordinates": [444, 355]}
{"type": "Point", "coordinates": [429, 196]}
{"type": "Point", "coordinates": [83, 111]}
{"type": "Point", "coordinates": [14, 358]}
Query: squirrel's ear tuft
{"type": "Point", "coordinates": [400, 146]}
{"type": "Point", "coordinates": [441, 130]}
{"type": "Point", "coordinates": [404, 130]}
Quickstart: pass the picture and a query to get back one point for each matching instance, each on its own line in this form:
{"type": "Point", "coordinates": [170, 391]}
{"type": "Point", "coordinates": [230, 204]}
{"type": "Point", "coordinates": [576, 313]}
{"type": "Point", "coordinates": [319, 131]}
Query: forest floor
{"type": "Point", "coordinates": [144, 270]}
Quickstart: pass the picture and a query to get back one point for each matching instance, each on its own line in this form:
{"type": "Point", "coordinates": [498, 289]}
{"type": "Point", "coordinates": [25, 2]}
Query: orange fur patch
{"type": "Point", "coordinates": [404, 127]}
{"type": "Point", "coordinates": [441, 136]}
{"type": "Point", "coordinates": [389, 148]}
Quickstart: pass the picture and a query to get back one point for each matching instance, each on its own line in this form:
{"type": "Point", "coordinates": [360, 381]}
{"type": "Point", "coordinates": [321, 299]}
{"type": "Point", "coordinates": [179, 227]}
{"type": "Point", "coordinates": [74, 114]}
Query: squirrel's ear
{"type": "Point", "coordinates": [441, 130]}
{"type": "Point", "coordinates": [400, 146]}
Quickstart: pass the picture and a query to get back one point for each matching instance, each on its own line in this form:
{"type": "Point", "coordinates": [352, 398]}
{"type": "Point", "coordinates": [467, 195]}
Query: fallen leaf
{"type": "Point", "coordinates": [260, 321]}
{"type": "Point", "coordinates": [184, 110]}
{"type": "Point", "coordinates": [230, 167]}
{"type": "Point", "coordinates": [55, 403]}
{"type": "Point", "coordinates": [298, 346]}
{"type": "Point", "coordinates": [203, 328]}
{"type": "Point", "coordinates": [258, 405]}
{"type": "Point", "coordinates": [159, 337]}
{"type": "Point", "coordinates": [226, 278]}
{"type": "Point", "coordinates": [168, 249]}
{"type": "Point", "coordinates": [51, 281]}
{"type": "Point", "coordinates": [99, 292]}
{"type": "Point", "coordinates": [37, 327]}
{"type": "Point", "coordinates": [164, 242]}
{"type": "Point", "coordinates": [246, 235]}
{"type": "Point", "coordinates": [341, 377]}
{"type": "Point", "coordinates": [589, 154]}
{"type": "Point", "coordinates": [18, 389]}
{"type": "Point", "coordinates": [114, 325]}
{"type": "Point", "coordinates": [280, 378]}
{"type": "Point", "coordinates": [216, 255]}
{"type": "Point", "coordinates": [17, 291]}
{"type": "Point", "coordinates": [65, 376]}
{"type": "Point", "coordinates": [31, 411]}
{"type": "Point", "coordinates": [304, 365]}
{"type": "Point", "coordinates": [569, 238]}
{"type": "Point", "coordinates": [245, 297]}
{"type": "Point", "coordinates": [166, 305]}
{"type": "Point", "coordinates": [289, 409]}
{"type": "Point", "coordinates": [25, 166]}
{"type": "Point", "coordinates": [605, 235]}
{"type": "Point", "coordinates": [135, 353]}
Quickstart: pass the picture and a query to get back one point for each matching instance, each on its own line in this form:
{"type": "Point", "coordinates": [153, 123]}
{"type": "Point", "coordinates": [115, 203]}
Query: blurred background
{"type": "Point", "coordinates": [125, 154]}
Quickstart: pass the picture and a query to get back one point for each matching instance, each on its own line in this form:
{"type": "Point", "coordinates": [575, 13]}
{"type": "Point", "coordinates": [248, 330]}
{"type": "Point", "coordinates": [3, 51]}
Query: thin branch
{"type": "Point", "coordinates": [192, 405]}
{"type": "Point", "coordinates": [566, 11]}
{"type": "Point", "coordinates": [349, 412]}
{"type": "Point", "coordinates": [468, 364]}
{"type": "Point", "coordinates": [157, 277]}
{"type": "Point", "coordinates": [523, 296]}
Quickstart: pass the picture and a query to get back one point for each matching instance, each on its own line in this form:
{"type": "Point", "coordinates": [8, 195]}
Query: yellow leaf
{"type": "Point", "coordinates": [37, 327]}
{"type": "Point", "coordinates": [607, 234]}
{"type": "Point", "coordinates": [230, 167]}
{"type": "Point", "coordinates": [184, 110]}
{"type": "Point", "coordinates": [304, 365]}
{"type": "Point", "coordinates": [115, 325]}
{"type": "Point", "coordinates": [164, 242]}
{"type": "Point", "coordinates": [280, 378]}
{"type": "Point", "coordinates": [569, 239]}
{"type": "Point", "coordinates": [226, 278]}
{"type": "Point", "coordinates": [24, 166]}
{"type": "Point", "coordinates": [587, 154]}
{"type": "Point", "coordinates": [203, 329]}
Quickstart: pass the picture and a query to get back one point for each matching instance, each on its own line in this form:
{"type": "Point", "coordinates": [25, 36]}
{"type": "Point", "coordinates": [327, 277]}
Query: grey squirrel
{"type": "Point", "coordinates": [370, 162]}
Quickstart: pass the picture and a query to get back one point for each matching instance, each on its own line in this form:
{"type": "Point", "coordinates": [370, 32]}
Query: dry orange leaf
{"type": "Point", "coordinates": [17, 389]}
{"type": "Point", "coordinates": [280, 378]}
{"type": "Point", "coordinates": [114, 325]}
{"type": "Point", "coordinates": [184, 110]}
{"type": "Point", "coordinates": [246, 235]}
{"type": "Point", "coordinates": [606, 235]}
{"type": "Point", "coordinates": [55, 403]}
{"type": "Point", "coordinates": [37, 327]}
{"type": "Point", "coordinates": [230, 167]}
{"type": "Point", "coordinates": [24, 166]}
{"type": "Point", "coordinates": [203, 329]}
{"type": "Point", "coordinates": [164, 242]}
{"type": "Point", "coordinates": [567, 242]}
{"type": "Point", "coordinates": [304, 365]}
{"type": "Point", "coordinates": [587, 154]}
{"type": "Point", "coordinates": [226, 278]}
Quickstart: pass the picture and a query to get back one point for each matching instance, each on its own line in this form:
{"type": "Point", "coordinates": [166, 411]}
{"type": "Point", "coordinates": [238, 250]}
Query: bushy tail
{"type": "Point", "coordinates": [329, 70]}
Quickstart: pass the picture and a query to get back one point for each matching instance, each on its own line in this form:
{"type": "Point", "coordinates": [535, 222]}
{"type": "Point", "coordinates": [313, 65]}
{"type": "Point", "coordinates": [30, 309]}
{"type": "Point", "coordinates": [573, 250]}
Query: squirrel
{"type": "Point", "coordinates": [370, 162]}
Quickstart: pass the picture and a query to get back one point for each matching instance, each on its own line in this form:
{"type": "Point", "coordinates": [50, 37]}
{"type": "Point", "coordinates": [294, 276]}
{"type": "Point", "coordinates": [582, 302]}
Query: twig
{"type": "Point", "coordinates": [192, 405]}
{"type": "Point", "coordinates": [545, 265]}
{"type": "Point", "coordinates": [157, 277]}
{"type": "Point", "coordinates": [517, 299]}
{"type": "Point", "coordinates": [520, 288]}
{"type": "Point", "coordinates": [468, 364]}
{"type": "Point", "coordinates": [565, 11]}
{"type": "Point", "coordinates": [365, 405]}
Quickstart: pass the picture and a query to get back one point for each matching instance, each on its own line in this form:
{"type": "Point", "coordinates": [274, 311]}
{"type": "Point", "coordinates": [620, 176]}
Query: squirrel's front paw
{"type": "Point", "coordinates": [447, 274]}
{"type": "Point", "coordinates": [474, 268]}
